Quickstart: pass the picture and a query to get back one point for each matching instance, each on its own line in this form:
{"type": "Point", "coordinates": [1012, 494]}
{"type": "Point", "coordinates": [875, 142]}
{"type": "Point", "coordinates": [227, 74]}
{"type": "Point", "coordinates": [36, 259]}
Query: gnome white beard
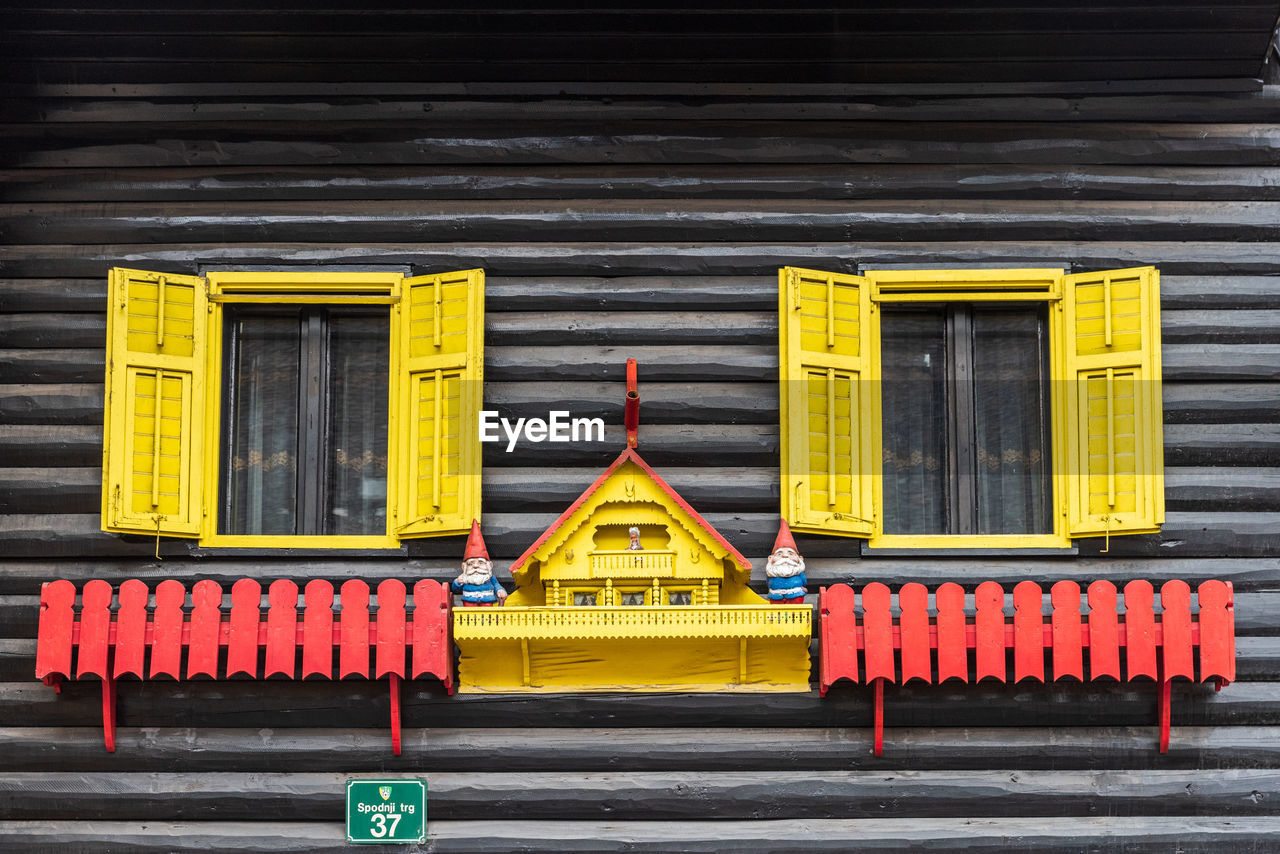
{"type": "Point", "coordinates": [476, 570]}
{"type": "Point", "coordinates": [784, 564]}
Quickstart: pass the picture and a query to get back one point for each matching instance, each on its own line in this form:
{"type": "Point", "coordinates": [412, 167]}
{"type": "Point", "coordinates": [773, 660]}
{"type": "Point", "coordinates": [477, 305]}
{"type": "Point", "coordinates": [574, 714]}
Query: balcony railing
{"type": "Point", "coordinates": [655, 563]}
{"type": "Point", "coordinates": [726, 621]}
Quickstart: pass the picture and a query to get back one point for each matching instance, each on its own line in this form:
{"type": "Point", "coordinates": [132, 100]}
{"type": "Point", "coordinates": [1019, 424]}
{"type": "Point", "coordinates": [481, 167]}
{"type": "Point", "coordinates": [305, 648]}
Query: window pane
{"type": "Point", "coordinates": [582, 599]}
{"type": "Point", "coordinates": [1010, 416]}
{"type": "Point", "coordinates": [262, 399]}
{"type": "Point", "coordinates": [356, 447]}
{"type": "Point", "coordinates": [913, 396]}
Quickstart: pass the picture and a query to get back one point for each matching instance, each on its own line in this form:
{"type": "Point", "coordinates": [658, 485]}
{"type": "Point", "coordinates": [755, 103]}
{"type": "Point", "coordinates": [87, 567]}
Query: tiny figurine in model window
{"type": "Point", "coordinates": [786, 570]}
{"type": "Point", "coordinates": [634, 545]}
{"type": "Point", "coordinates": [477, 585]}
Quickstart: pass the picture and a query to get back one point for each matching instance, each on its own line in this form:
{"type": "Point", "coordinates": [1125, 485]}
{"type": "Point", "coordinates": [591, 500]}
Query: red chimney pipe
{"type": "Point", "coordinates": [631, 417]}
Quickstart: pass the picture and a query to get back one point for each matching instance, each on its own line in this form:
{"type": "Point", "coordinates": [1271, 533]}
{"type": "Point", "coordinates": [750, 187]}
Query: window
{"type": "Point", "coordinates": [581, 599]}
{"type": "Point", "coordinates": [679, 597]}
{"type": "Point", "coordinates": [268, 409]}
{"type": "Point", "coordinates": [971, 408]}
{"type": "Point", "coordinates": [631, 597]}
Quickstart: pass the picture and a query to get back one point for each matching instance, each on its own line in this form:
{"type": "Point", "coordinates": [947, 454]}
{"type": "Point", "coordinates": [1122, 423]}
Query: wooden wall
{"type": "Point", "coordinates": [647, 221]}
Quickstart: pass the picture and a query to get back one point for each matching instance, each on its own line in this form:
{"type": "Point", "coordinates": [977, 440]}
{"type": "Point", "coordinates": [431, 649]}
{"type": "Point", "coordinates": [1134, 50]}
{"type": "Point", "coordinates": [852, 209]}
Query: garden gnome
{"type": "Point", "coordinates": [477, 585]}
{"type": "Point", "coordinates": [786, 570]}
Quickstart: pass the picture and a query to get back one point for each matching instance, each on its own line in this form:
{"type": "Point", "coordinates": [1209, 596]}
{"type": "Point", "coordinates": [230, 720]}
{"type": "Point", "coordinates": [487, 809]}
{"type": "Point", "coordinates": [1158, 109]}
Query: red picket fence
{"type": "Point", "coordinates": [113, 644]}
{"type": "Point", "coordinates": [933, 648]}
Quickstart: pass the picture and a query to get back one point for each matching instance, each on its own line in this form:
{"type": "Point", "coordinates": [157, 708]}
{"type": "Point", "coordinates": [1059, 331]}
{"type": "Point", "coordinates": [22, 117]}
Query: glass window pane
{"type": "Point", "coordinates": [356, 447]}
{"type": "Point", "coordinates": [583, 599]}
{"type": "Point", "coordinates": [262, 404]}
{"type": "Point", "coordinates": [680, 597]}
{"type": "Point", "coordinates": [1011, 422]}
{"type": "Point", "coordinates": [913, 403]}
{"type": "Point", "coordinates": [632, 599]}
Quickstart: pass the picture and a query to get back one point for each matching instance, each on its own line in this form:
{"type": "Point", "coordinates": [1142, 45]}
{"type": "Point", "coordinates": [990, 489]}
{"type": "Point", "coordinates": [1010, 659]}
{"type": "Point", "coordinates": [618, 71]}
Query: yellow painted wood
{"type": "Point", "coordinates": [828, 368]}
{"type": "Point", "coordinates": [591, 614]}
{"type": "Point", "coordinates": [1114, 466]}
{"type": "Point", "coordinates": [1105, 410]}
{"type": "Point", "coordinates": [155, 380]}
{"type": "Point", "coordinates": [437, 389]}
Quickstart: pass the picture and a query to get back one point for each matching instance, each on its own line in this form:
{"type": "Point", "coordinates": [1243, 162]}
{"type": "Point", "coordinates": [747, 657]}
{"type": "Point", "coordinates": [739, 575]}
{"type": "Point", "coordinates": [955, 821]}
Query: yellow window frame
{"type": "Point", "coordinates": [1079, 362]}
{"type": "Point", "coordinates": [192, 398]}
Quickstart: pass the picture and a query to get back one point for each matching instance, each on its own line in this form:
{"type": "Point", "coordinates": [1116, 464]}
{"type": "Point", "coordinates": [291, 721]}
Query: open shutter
{"type": "Point", "coordinates": [828, 362]}
{"type": "Point", "coordinates": [1115, 450]}
{"type": "Point", "coordinates": [438, 342]}
{"type": "Point", "coordinates": [155, 393]}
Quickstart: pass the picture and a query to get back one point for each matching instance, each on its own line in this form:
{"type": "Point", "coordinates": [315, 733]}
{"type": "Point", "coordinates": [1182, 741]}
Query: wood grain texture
{"type": "Point", "coordinates": [646, 796]}
{"type": "Point", "coordinates": [176, 748]}
{"type": "Point", "coordinates": [1048, 835]}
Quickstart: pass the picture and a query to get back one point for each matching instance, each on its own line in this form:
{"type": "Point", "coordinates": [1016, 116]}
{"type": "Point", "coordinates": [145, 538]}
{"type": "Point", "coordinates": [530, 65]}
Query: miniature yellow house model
{"type": "Point", "coordinates": [631, 590]}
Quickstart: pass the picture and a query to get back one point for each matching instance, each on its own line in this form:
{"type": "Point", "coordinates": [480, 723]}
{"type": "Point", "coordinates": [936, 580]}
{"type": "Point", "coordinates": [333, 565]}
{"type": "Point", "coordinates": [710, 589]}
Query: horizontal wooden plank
{"type": "Point", "coordinates": [193, 143]}
{"type": "Point", "coordinates": [1185, 534]}
{"type": "Point", "coordinates": [54, 445]}
{"type": "Point", "coordinates": [710, 489]}
{"type": "Point", "coordinates": [82, 104]}
{"type": "Point", "coordinates": [624, 293]}
{"type": "Point", "coordinates": [661, 363]}
{"type": "Point", "coordinates": [361, 704]}
{"type": "Point", "coordinates": [706, 748]}
{"type": "Point", "coordinates": [330, 182]}
{"type": "Point", "coordinates": [1206, 835]}
{"type": "Point", "coordinates": [646, 796]}
{"type": "Point", "coordinates": [663, 403]}
{"type": "Point", "coordinates": [1222, 444]}
{"type": "Point", "coordinates": [604, 219]}
{"type": "Point", "coordinates": [1182, 258]}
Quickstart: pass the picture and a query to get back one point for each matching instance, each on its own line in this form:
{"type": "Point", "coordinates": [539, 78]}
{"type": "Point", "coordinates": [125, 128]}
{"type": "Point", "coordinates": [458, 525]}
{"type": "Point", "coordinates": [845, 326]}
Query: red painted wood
{"type": "Point", "coordinates": [914, 637]}
{"type": "Point", "coordinates": [95, 629]}
{"type": "Point", "coordinates": [391, 628]}
{"type": "Point", "coordinates": [1175, 644]}
{"type": "Point", "coordinates": [282, 628]}
{"type": "Point", "coordinates": [109, 713]}
{"type": "Point", "coordinates": [1104, 631]}
{"type": "Point", "coordinates": [53, 637]}
{"type": "Point", "coordinates": [1217, 631]}
{"type": "Point", "coordinates": [877, 630]}
{"type": "Point", "coordinates": [989, 631]}
{"type": "Point", "coordinates": [131, 630]}
{"type": "Point", "coordinates": [953, 642]}
{"type": "Point", "coordinates": [1140, 630]}
{"type": "Point", "coordinates": [242, 647]}
{"type": "Point", "coordinates": [878, 745]}
{"type": "Point", "coordinates": [206, 626]}
{"type": "Point", "coordinates": [1164, 710]}
{"type": "Point", "coordinates": [353, 654]}
{"type": "Point", "coordinates": [317, 629]}
{"type": "Point", "coordinates": [1068, 653]}
{"type": "Point", "coordinates": [1028, 632]}
{"type": "Point", "coordinates": [166, 632]}
{"type": "Point", "coordinates": [837, 636]}
{"type": "Point", "coordinates": [394, 685]}
{"type": "Point", "coordinates": [432, 649]}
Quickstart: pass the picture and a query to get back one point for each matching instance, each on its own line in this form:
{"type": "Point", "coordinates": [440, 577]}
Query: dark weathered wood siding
{"type": "Point", "coordinates": [634, 219]}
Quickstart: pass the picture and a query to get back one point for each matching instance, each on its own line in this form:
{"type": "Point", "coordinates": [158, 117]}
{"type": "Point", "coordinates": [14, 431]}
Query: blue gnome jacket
{"type": "Point", "coordinates": [487, 592]}
{"type": "Point", "coordinates": [789, 587]}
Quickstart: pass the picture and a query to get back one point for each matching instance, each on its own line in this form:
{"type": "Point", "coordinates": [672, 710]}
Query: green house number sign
{"type": "Point", "coordinates": [386, 811]}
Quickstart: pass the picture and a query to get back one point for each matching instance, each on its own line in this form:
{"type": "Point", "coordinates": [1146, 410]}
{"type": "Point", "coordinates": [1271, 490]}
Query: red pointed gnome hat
{"type": "Point", "coordinates": [784, 540]}
{"type": "Point", "coordinates": [475, 543]}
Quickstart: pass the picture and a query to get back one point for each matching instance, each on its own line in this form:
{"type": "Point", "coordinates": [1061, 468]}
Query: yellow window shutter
{"type": "Point", "coordinates": [828, 357]}
{"type": "Point", "coordinates": [438, 376]}
{"type": "Point", "coordinates": [1115, 451]}
{"type": "Point", "coordinates": [152, 443]}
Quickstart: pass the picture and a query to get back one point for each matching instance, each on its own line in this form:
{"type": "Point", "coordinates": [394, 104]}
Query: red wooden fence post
{"type": "Point", "coordinates": [166, 630]}
{"type": "Point", "coordinates": [877, 633]}
{"type": "Point", "coordinates": [95, 651]}
{"type": "Point", "coordinates": [317, 629]}
{"type": "Point", "coordinates": [913, 633]}
{"type": "Point", "coordinates": [953, 641]}
{"type": "Point", "coordinates": [837, 636]}
{"type": "Point", "coordinates": [353, 652]}
{"type": "Point", "coordinates": [1028, 632]}
{"type": "Point", "coordinates": [1068, 653]}
{"type": "Point", "coordinates": [242, 647]}
{"type": "Point", "coordinates": [206, 629]}
{"type": "Point", "coordinates": [1104, 631]}
{"type": "Point", "coordinates": [1217, 632]}
{"type": "Point", "coordinates": [282, 628]}
{"type": "Point", "coordinates": [53, 637]}
{"type": "Point", "coordinates": [989, 631]}
{"type": "Point", "coordinates": [390, 656]}
{"type": "Point", "coordinates": [1139, 630]}
{"type": "Point", "coordinates": [131, 630]}
{"type": "Point", "coordinates": [432, 627]}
